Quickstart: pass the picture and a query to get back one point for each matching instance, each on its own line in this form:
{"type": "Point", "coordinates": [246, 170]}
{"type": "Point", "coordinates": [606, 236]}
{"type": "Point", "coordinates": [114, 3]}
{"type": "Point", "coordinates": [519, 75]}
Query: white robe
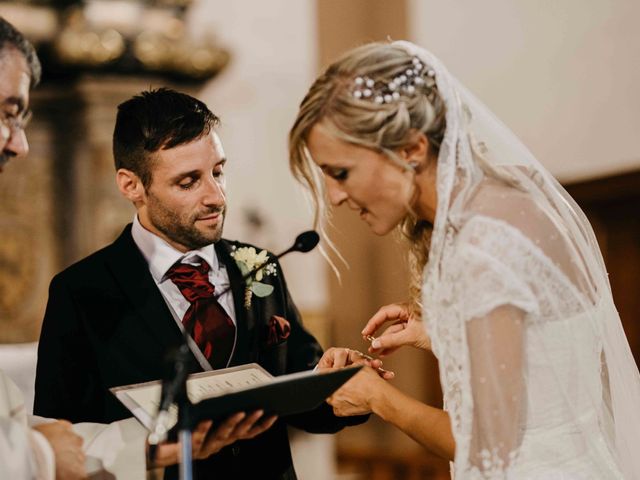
{"type": "Point", "coordinates": [114, 450]}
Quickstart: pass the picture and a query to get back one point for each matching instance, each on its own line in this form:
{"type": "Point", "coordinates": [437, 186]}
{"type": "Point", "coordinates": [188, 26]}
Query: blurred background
{"type": "Point", "coordinates": [564, 75]}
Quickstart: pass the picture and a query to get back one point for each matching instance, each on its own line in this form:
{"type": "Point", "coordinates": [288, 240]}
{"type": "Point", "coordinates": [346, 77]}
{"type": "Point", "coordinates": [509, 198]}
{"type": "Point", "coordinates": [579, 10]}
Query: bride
{"type": "Point", "coordinates": [511, 292]}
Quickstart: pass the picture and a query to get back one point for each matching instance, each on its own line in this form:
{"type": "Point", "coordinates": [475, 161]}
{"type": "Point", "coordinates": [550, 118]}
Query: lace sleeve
{"type": "Point", "coordinates": [487, 282]}
{"type": "Point", "coordinates": [494, 301]}
{"type": "Point", "coordinates": [495, 343]}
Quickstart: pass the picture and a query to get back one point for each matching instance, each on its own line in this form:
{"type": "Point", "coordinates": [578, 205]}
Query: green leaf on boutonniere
{"type": "Point", "coordinates": [247, 260]}
{"type": "Point", "coordinates": [261, 289]}
{"type": "Point", "coordinates": [244, 269]}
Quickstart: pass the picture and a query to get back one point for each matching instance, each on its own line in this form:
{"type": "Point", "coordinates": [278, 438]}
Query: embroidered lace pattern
{"type": "Point", "coordinates": [487, 264]}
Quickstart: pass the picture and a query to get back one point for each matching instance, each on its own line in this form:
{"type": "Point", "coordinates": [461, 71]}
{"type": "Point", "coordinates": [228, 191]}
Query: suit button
{"type": "Point", "coordinates": [235, 450]}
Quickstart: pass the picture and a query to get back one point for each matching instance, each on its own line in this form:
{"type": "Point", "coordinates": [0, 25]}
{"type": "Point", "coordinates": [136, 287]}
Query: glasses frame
{"type": "Point", "coordinates": [10, 124]}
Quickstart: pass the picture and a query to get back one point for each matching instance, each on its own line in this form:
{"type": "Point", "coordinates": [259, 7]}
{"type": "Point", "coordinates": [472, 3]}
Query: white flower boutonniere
{"type": "Point", "coordinates": [247, 259]}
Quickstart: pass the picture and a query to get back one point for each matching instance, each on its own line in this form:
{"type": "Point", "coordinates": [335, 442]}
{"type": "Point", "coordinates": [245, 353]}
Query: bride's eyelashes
{"type": "Point", "coordinates": [337, 173]}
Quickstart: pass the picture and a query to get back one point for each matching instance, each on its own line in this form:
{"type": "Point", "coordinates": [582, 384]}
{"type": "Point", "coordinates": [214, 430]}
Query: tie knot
{"type": "Point", "coordinates": [192, 280]}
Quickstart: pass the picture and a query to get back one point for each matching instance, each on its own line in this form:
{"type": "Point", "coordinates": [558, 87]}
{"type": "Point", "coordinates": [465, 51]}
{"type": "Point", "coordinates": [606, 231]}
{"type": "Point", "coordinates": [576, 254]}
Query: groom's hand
{"type": "Point", "coordinates": [208, 439]}
{"type": "Point", "coordinates": [240, 426]}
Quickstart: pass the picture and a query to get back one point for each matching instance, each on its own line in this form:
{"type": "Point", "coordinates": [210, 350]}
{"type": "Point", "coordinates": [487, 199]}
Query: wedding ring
{"type": "Point", "coordinates": [369, 358]}
{"type": "Point", "coordinates": [363, 355]}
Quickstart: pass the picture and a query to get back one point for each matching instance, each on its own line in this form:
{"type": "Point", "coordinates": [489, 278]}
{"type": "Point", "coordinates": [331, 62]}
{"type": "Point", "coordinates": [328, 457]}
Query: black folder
{"type": "Point", "coordinates": [283, 395]}
{"type": "Point", "coordinates": [286, 395]}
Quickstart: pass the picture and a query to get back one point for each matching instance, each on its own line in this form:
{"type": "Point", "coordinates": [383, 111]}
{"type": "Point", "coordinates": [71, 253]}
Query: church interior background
{"type": "Point", "coordinates": [562, 75]}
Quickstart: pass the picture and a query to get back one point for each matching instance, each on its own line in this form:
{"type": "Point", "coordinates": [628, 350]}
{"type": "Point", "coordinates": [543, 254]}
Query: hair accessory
{"type": "Point", "coordinates": [406, 83]}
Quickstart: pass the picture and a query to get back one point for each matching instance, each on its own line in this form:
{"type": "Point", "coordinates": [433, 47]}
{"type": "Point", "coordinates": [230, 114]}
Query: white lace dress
{"type": "Point", "coordinates": [518, 346]}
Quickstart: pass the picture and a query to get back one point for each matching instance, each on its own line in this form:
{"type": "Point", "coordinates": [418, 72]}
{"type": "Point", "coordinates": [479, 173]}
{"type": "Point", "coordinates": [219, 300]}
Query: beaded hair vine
{"type": "Point", "coordinates": [407, 83]}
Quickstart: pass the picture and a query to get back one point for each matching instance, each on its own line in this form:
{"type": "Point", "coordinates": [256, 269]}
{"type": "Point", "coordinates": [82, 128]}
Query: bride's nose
{"type": "Point", "coordinates": [335, 192]}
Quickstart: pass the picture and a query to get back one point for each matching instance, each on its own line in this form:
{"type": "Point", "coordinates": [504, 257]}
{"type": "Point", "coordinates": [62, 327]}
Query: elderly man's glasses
{"type": "Point", "coordinates": [10, 124]}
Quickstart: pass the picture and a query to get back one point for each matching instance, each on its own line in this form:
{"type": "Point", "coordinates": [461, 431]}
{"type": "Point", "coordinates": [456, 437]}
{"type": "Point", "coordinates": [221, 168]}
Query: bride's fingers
{"type": "Point", "coordinates": [390, 341]}
{"type": "Point", "coordinates": [334, 357]}
{"type": "Point", "coordinates": [387, 313]}
{"type": "Point", "coordinates": [392, 330]}
{"type": "Point", "coordinates": [341, 357]}
{"type": "Point", "coordinates": [395, 328]}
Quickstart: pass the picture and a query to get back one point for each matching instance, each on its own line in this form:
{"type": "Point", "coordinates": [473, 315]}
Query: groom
{"type": "Point", "coordinates": [112, 317]}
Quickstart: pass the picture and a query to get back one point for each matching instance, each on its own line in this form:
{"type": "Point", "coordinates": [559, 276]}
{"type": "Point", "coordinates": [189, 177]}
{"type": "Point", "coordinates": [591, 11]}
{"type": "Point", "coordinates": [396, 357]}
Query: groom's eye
{"type": "Point", "coordinates": [187, 183]}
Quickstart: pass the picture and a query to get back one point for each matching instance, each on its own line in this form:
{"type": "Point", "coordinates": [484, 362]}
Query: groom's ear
{"type": "Point", "coordinates": [130, 186]}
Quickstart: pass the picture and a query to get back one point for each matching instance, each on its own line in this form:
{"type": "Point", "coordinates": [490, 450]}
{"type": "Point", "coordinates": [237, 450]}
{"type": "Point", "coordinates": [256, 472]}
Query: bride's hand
{"type": "Point", "coordinates": [405, 329]}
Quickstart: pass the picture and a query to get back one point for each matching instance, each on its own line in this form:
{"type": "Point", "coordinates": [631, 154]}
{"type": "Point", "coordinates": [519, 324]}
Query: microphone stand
{"type": "Point", "coordinates": [174, 389]}
{"type": "Point", "coordinates": [185, 421]}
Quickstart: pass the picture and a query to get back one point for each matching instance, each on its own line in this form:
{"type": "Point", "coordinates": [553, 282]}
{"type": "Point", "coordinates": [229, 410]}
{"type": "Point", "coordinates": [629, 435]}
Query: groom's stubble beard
{"type": "Point", "coordinates": [182, 228]}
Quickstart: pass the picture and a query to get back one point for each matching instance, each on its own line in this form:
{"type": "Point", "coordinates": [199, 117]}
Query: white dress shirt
{"type": "Point", "coordinates": [161, 256]}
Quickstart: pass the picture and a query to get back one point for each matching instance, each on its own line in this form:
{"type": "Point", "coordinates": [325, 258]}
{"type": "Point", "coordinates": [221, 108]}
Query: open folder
{"type": "Point", "coordinates": [220, 393]}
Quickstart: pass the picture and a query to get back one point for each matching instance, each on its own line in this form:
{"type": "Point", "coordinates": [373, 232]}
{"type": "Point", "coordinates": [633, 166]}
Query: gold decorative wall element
{"type": "Point", "coordinates": [60, 203]}
{"type": "Point", "coordinates": [124, 37]}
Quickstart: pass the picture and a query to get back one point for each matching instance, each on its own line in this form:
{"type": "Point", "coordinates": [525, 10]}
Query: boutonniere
{"type": "Point", "coordinates": [247, 259]}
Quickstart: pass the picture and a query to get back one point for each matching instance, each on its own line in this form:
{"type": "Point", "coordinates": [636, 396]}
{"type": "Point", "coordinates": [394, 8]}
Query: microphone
{"type": "Point", "coordinates": [176, 385]}
{"type": "Point", "coordinates": [305, 242]}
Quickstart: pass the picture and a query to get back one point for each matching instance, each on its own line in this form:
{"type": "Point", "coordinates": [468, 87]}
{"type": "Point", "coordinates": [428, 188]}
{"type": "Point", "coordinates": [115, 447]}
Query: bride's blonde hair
{"type": "Point", "coordinates": [383, 126]}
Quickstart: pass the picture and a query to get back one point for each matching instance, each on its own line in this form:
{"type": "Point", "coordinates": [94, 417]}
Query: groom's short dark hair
{"type": "Point", "coordinates": [155, 120]}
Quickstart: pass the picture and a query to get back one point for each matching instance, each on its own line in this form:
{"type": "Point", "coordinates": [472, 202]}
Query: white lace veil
{"type": "Point", "coordinates": [575, 357]}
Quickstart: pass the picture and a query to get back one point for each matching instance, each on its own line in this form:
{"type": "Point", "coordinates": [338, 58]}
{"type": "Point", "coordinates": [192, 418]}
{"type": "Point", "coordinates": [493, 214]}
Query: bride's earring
{"type": "Point", "coordinates": [413, 165]}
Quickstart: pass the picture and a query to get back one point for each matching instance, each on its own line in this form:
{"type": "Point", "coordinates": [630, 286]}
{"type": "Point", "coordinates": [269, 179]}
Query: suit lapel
{"type": "Point", "coordinates": [245, 318]}
{"type": "Point", "coordinates": [131, 271]}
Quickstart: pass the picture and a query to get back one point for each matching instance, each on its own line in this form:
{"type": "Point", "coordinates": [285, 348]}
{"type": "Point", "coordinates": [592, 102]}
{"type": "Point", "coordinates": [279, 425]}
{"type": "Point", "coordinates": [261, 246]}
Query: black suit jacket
{"type": "Point", "coordinates": [107, 324]}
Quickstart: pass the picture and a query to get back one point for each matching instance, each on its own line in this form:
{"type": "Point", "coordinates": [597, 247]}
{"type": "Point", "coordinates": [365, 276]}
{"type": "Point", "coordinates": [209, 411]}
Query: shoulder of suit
{"type": "Point", "coordinates": [96, 260]}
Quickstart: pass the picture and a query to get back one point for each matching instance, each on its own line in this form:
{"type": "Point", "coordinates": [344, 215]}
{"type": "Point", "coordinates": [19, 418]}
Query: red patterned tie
{"type": "Point", "coordinates": [208, 323]}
